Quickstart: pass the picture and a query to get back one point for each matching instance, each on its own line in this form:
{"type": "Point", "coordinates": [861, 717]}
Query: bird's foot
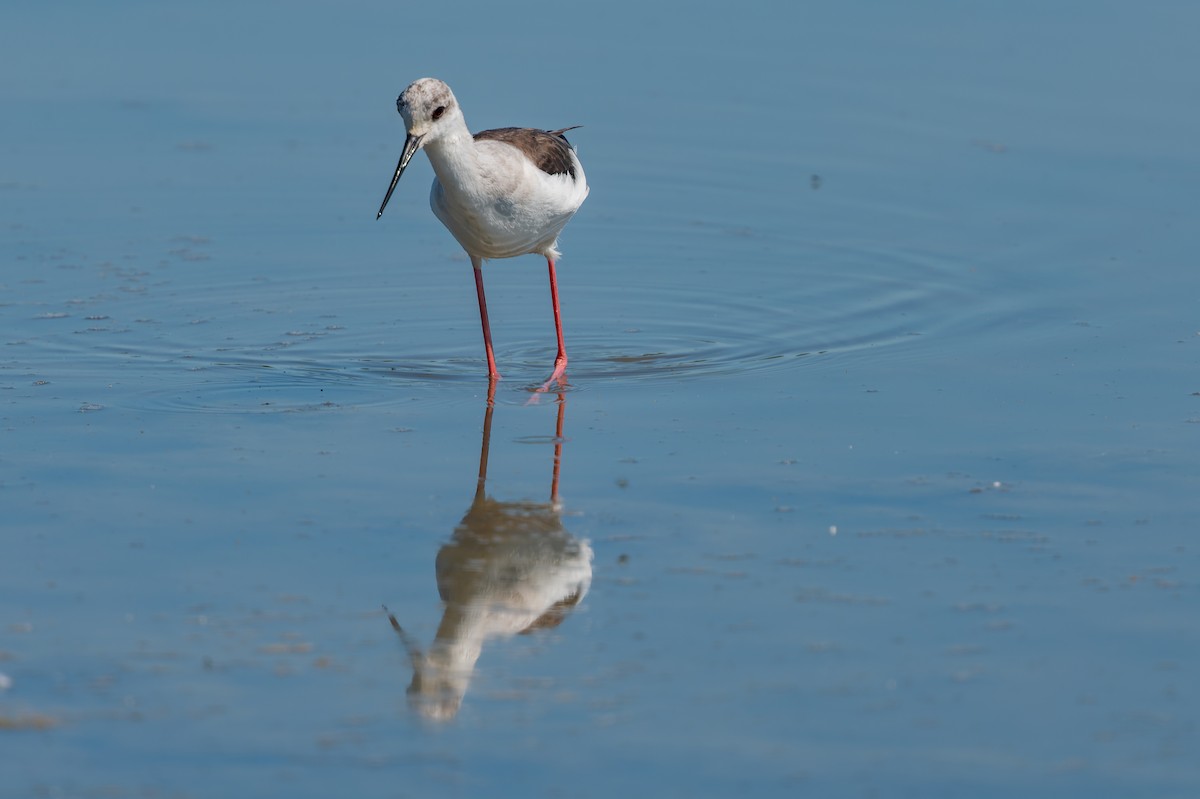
{"type": "Point", "coordinates": [557, 377]}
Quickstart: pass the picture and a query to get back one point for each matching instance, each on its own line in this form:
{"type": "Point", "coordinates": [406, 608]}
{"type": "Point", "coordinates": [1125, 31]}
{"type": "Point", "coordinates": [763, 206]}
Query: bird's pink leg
{"type": "Point", "coordinates": [477, 265]}
{"type": "Point", "coordinates": [560, 360]}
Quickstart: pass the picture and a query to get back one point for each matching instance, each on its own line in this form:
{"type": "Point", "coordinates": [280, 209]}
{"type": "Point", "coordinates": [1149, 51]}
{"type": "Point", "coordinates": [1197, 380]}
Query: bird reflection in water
{"type": "Point", "coordinates": [510, 568]}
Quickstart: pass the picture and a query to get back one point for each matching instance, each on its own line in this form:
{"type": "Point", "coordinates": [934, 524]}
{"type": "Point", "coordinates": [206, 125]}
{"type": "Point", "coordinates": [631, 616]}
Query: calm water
{"type": "Point", "coordinates": [877, 474]}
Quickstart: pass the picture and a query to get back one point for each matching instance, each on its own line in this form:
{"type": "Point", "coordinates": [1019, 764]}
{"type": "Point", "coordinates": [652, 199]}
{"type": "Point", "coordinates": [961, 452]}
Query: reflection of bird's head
{"type": "Point", "coordinates": [436, 696]}
{"type": "Point", "coordinates": [435, 692]}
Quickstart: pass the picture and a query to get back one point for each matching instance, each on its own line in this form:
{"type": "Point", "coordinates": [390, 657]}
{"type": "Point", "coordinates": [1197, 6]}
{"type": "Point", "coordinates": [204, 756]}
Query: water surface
{"type": "Point", "coordinates": [881, 427]}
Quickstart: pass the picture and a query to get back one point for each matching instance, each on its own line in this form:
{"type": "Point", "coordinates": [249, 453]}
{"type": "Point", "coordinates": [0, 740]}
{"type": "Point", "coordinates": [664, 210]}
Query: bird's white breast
{"type": "Point", "coordinates": [507, 206]}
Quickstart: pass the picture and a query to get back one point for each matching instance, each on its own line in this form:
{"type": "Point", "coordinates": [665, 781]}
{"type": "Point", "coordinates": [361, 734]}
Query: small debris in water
{"type": "Point", "coordinates": [35, 721]}
{"type": "Point", "coordinates": [298, 648]}
{"type": "Point", "coordinates": [990, 146]}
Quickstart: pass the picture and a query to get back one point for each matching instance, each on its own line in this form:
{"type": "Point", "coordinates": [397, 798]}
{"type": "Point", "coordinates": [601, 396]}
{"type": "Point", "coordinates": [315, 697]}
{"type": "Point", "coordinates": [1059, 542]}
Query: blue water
{"type": "Point", "coordinates": [882, 425]}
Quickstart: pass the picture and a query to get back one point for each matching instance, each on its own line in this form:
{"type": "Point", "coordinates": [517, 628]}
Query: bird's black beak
{"type": "Point", "coordinates": [411, 145]}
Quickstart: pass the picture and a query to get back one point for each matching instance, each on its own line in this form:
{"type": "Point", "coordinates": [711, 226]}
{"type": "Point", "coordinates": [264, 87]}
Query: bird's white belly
{"type": "Point", "coordinates": [504, 221]}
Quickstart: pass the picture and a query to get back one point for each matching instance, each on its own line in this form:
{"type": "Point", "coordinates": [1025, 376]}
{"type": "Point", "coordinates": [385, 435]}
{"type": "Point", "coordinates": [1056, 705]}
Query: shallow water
{"type": "Point", "coordinates": [881, 427]}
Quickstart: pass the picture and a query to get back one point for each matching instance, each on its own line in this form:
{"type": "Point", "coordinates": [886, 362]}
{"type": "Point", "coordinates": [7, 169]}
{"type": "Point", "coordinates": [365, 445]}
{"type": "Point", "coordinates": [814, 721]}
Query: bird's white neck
{"type": "Point", "coordinates": [455, 161]}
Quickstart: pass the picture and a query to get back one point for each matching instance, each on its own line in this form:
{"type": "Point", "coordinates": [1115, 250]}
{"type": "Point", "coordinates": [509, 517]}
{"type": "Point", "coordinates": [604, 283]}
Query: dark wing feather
{"type": "Point", "coordinates": [549, 150]}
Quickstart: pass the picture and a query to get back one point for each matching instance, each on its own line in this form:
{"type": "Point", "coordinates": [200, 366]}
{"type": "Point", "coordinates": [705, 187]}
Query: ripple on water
{"type": "Point", "coordinates": [823, 307]}
{"type": "Point", "coordinates": [834, 306]}
{"type": "Point", "coordinates": [289, 386]}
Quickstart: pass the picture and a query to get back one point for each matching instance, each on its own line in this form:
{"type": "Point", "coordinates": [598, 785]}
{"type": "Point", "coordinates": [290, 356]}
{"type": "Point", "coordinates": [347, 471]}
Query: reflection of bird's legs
{"type": "Point", "coordinates": [558, 442]}
{"type": "Point", "coordinates": [487, 438]}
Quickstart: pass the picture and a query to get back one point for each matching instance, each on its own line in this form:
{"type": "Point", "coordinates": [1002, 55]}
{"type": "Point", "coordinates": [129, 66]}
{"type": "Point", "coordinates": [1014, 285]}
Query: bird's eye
{"type": "Point", "coordinates": [437, 112]}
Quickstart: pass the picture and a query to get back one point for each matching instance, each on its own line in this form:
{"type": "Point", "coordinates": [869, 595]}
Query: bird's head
{"type": "Point", "coordinates": [429, 110]}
